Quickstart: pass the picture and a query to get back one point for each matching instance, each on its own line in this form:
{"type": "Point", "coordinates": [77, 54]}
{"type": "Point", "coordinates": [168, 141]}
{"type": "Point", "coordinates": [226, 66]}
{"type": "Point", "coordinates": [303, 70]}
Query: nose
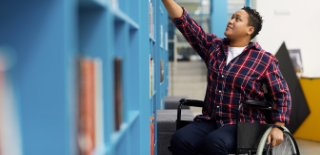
{"type": "Point", "coordinates": [230, 21]}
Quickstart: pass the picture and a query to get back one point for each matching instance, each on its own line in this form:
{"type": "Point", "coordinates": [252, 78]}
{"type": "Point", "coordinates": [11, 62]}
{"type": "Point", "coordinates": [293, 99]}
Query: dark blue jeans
{"type": "Point", "coordinates": [204, 137]}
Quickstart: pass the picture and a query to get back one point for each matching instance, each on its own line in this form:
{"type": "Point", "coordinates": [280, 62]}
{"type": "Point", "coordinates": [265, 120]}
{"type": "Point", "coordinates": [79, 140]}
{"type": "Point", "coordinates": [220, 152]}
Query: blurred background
{"type": "Point", "coordinates": [90, 76]}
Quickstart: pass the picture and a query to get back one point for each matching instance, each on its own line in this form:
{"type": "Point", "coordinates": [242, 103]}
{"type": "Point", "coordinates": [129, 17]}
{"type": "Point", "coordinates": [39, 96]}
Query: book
{"type": "Point", "coordinates": [166, 41]}
{"type": "Point", "coordinates": [150, 22]}
{"type": "Point", "coordinates": [99, 102]}
{"type": "Point", "coordinates": [118, 92]}
{"type": "Point", "coordinates": [151, 25]}
{"type": "Point", "coordinates": [114, 3]}
{"type": "Point", "coordinates": [151, 75]}
{"type": "Point", "coordinates": [161, 36]}
{"type": "Point", "coordinates": [152, 135]}
{"type": "Point", "coordinates": [86, 129]}
{"type": "Point", "coordinates": [10, 130]}
{"type": "Point", "coordinates": [161, 71]}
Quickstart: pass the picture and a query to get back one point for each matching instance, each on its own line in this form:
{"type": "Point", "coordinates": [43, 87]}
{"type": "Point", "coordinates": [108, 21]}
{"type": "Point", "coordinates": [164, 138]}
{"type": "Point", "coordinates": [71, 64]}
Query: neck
{"type": "Point", "coordinates": [239, 43]}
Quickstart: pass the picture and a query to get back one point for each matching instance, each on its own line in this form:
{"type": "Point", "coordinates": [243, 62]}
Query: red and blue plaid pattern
{"type": "Point", "coordinates": [241, 79]}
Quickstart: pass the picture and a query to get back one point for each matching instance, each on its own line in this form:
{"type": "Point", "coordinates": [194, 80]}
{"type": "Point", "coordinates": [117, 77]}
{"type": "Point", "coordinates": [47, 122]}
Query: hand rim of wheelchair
{"type": "Point", "coordinates": [264, 138]}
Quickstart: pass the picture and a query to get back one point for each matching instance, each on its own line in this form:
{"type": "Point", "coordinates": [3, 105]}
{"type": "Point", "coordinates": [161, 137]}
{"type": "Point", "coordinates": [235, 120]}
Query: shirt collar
{"type": "Point", "coordinates": [255, 45]}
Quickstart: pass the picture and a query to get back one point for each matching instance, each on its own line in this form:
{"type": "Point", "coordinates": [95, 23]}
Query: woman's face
{"type": "Point", "coordinates": [237, 26]}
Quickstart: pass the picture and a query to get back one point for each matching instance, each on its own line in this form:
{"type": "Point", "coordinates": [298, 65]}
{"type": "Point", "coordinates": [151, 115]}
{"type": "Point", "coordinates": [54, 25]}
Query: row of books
{"type": "Point", "coordinates": [152, 75]}
{"type": "Point", "coordinates": [151, 29]}
{"type": "Point", "coordinates": [90, 115]}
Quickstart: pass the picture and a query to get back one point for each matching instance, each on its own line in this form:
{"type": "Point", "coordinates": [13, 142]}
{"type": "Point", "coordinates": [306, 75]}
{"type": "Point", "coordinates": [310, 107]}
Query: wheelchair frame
{"type": "Point", "coordinates": [243, 144]}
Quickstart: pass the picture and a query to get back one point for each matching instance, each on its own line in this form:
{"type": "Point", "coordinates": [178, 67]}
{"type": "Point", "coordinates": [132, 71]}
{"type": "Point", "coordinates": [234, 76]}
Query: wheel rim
{"type": "Point", "coordinates": [287, 147]}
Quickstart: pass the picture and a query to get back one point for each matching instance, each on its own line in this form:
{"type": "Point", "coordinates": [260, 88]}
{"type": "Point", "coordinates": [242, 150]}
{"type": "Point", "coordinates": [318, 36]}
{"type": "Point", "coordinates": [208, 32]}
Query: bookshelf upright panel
{"type": "Point", "coordinates": [89, 75]}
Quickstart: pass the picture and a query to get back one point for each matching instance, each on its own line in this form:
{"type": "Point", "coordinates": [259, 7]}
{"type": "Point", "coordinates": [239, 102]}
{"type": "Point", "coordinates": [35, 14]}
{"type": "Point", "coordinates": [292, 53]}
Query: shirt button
{"type": "Point", "coordinates": [218, 106]}
{"type": "Point", "coordinates": [223, 76]}
{"type": "Point", "coordinates": [219, 91]}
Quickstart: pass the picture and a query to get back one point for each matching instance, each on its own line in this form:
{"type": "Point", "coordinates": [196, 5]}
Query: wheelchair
{"type": "Point", "coordinates": [251, 137]}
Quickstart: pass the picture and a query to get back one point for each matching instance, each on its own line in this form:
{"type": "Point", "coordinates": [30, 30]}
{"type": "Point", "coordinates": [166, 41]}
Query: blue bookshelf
{"type": "Point", "coordinates": [48, 37]}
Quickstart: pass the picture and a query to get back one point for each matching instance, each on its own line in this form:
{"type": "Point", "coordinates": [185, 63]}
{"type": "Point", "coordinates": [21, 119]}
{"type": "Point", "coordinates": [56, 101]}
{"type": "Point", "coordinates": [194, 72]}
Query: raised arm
{"type": "Point", "coordinates": [200, 40]}
{"type": "Point", "coordinates": [174, 10]}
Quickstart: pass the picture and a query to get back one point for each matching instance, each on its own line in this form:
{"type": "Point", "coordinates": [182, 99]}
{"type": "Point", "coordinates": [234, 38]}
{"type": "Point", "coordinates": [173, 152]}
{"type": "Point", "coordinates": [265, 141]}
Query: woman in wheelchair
{"type": "Point", "coordinates": [237, 71]}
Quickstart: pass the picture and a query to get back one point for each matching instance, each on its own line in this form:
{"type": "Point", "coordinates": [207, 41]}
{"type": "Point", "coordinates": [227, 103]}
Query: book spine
{"type": "Point", "coordinates": [115, 3]}
{"type": "Point", "coordinates": [87, 106]}
{"type": "Point", "coordinates": [118, 92]}
{"type": "Point", "coordinates": [152, 25]}
{"type": "Point", "coordinates": [150, 74]}
{"type": "Point", "coordinates": [153, 88]}
{"type": "Point", "coordinates": [152, 135]}
{"type": "Point", "coordinates": [161, 36]}
{"type": "Point", "coordinates": [99, 102]}
{"type": "Point", "coordinates": [150, 18]}
{"type": "Point", "coordinates": [161, 71]}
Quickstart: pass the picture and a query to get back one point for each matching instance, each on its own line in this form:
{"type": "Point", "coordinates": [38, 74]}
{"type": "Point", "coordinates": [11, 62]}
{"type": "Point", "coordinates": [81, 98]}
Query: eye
{"type": "Point", "coordinates": [238, 19]}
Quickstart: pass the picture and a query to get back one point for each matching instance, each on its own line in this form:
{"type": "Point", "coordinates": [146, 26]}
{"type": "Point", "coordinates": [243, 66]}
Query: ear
{"type": "Point", "coordinates": [250, 30]}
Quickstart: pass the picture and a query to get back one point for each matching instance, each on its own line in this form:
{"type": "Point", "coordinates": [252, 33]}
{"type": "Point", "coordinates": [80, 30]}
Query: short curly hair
{"type": "Point", "coordinates": [255, 20]}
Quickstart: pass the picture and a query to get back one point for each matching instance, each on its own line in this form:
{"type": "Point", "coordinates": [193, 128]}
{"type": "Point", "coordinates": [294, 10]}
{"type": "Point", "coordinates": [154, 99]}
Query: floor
{"type": "Point", "coordinates": [306, 147]}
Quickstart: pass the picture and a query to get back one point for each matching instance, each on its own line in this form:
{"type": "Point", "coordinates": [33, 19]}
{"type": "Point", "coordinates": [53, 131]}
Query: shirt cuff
{"type": "Point", "coordinates": [280, 118]}
{"type": "Point", "coordinates": [182, 18]}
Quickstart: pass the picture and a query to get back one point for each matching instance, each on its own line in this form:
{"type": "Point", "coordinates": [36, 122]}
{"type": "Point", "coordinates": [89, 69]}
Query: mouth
{"type": "Point", "coordinates": [229, 27]}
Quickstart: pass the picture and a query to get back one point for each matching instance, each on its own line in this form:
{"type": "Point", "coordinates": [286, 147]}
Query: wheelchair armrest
{"type": "Point", "coordinates": [191, 102]}
{"type": "Point", "coordinates": [257, 104]}
{"type": "Point", "coordinates": [187, 102]}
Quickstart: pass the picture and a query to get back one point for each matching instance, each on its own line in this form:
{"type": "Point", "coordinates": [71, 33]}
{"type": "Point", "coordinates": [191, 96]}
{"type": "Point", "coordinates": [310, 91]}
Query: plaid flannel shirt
{"type": "Point", "coordinates": [241, 79]}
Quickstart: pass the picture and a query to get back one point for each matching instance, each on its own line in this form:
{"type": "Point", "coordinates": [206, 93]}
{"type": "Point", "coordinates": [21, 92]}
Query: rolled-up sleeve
{"type": "Point", "coordinates": [279, 90]}
{"type": "Point", "coordinates": [200, 40]}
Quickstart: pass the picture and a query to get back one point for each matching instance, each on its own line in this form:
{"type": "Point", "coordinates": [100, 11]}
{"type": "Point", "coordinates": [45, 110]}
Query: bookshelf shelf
{"type": "Point", "coordinates": [152, 40]}
{"type": "Point", "coordinates": [102, 149]}
{"type": "Point", "coordinates": [118, 135]}
{"type": "Point", "coordinates": [119, 15]}
{"type": "Point", "coordinates": [153, 95]}
{"type": "Point", "coordinates": [133, 115]}
{"type": "Point", "coordinates": [91, 4]}
{"type": "Point", "coordinates": [83, 70]}
{"type": "Point", "coordinates": [123, 5]}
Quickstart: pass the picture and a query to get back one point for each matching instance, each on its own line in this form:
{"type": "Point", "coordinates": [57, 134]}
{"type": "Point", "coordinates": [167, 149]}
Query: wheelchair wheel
{"type": "Point", "coordinates": [287, 147]}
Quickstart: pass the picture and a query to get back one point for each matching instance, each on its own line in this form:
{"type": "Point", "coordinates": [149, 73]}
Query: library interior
{"type": "Point", "coordinates": [114, 77]}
